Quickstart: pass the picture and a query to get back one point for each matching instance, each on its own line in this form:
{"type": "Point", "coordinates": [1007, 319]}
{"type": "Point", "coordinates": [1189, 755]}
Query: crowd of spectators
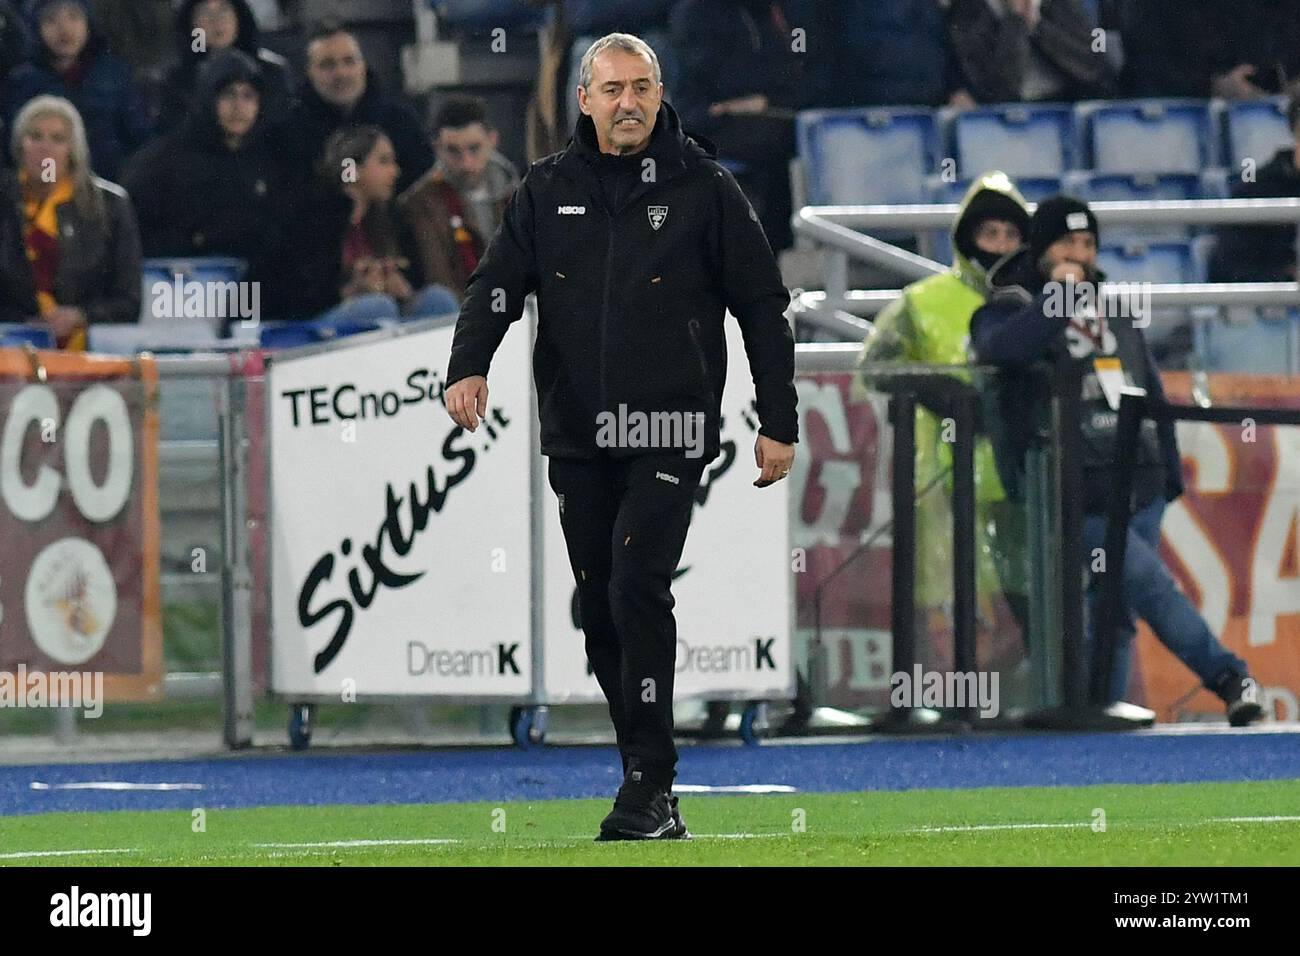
{"type": "Point", "coordinates": [339, 196]}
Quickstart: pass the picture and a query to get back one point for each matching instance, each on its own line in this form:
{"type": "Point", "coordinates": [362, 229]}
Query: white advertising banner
{"type": "Point", "coordinates": [400, 543]}
{"type": "Point", "coordinates": [733, 585]}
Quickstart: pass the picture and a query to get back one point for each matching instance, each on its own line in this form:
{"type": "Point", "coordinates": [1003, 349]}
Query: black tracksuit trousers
{"type": "Point", "coordinates": [625, 522]}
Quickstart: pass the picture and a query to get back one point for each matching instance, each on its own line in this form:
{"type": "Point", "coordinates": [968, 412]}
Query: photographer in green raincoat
{"type": "Point", "coordinates": [930, 323]}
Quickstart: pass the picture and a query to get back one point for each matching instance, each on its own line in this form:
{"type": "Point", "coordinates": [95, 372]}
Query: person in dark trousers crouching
{"type": "Point", "coordinates": [637, 243]}
{"type": "Point", "coordinates": [1031, 316]}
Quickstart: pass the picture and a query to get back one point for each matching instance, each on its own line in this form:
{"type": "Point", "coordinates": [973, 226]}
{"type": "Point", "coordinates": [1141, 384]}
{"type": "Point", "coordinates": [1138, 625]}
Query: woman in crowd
{"type": "Point", "coordinates": [352, 250]}
{"type": "Point", "coordinates": [69, 60]}
{"type": "Point", "coordinates": [69, 244]}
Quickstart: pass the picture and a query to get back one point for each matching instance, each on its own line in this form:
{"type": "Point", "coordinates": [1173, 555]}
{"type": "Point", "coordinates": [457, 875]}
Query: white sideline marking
{"type": "Point", "coordinates": [39, 853]}
{"type": "Point", "coordinates": [114, 785]}
{"type": "Point", "coordinates": [995, 826]}
{"type": "Point", "coordinates": [734, 836]}
{"type": "Point", "coordinates": [1050, 826]}
{"type": "Point", "coordinates": [735, 788]}
{"type": "Point", "coordinates": [340, 844]}
{"type": "Point", "coordinates": [1257, 819]}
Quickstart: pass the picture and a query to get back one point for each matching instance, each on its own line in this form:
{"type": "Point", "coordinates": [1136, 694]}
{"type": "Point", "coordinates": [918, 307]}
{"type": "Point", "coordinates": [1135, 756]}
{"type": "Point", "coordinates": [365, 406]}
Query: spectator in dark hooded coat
{"type": "Point", "coordinates": [213, 187]}
{"type": "Point", "coordinates": [205, 27]}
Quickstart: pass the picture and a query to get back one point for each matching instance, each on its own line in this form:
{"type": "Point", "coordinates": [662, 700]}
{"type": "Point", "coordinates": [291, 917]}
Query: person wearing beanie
{"type": "Point", "coordinates": [1037, 312]}
{"type": "Point", "coordinates": [69, 59]}
{"type": "Point", "coordinates": [1059, 218]}
{"type": "Point", "coordinates": [930, 323]}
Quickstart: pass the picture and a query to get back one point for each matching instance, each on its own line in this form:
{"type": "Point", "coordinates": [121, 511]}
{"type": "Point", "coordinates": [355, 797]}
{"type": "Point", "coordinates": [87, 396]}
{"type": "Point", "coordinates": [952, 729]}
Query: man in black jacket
{"type": "Point", "coordinates": [341, 91]}
{"type": "Point", "coordinates": [1032, 316]}
{"type": "Point", "coordinates": [637, 243]}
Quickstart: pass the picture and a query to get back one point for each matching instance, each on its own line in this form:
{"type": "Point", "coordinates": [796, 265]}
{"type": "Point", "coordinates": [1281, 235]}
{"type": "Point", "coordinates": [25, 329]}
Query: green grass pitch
{"type": "Point", "coordinates": [1145, 825]}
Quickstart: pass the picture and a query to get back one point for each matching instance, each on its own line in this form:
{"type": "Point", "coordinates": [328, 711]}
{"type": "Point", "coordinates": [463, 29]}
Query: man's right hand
{"type": "Point", "coordinates": [467, 401]}
{"type": "Point", "coordinates": [1072, 271]}
{"type": "Point", "coordinates": [1236, 84]}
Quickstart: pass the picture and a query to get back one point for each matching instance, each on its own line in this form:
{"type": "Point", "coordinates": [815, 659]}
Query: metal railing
{"type": "Point", "coordinates": [836, 231]}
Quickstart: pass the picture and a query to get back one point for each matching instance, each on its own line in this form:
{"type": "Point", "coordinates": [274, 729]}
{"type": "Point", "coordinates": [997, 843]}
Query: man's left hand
{"type": "Point", "coordinates": [773, 458]}
{"type": "Point", "coordinates": [64, 320]}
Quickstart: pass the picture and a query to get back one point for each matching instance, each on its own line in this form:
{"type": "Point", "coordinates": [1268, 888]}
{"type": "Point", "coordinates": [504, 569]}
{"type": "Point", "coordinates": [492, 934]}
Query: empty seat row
{"type": "Point", "coordinates": [886, 155]}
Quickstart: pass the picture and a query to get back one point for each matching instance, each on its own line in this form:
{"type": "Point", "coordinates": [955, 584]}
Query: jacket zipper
{"type": "Point", "coordinates": [604, 312]}
{"type": "Point", "coordinates": [693, 328]}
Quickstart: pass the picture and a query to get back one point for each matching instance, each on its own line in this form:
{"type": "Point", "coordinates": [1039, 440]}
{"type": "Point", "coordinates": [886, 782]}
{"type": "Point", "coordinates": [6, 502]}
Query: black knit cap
{"type": "Point", "coordinates": [1057, 217]}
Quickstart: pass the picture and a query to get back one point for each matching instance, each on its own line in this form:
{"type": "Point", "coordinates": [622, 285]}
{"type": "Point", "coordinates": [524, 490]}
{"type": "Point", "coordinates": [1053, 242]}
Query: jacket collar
{"type": "Point", "coordinates": [669, 147]}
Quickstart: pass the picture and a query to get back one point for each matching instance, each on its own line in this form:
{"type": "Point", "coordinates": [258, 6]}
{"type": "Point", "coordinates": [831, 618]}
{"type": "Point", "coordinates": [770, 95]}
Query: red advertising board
{"type": "Point", "coordinates": [79, 520]}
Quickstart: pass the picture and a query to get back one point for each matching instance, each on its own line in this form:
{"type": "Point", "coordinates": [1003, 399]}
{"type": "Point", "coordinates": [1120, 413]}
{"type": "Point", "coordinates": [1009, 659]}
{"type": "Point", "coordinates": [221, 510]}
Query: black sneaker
{"type": "Point", "coordinates": [1241, 694]}
{"type": "Point", "coordinates": [680, 832]}
{"type": "Point", "coordinates": [642, 811]}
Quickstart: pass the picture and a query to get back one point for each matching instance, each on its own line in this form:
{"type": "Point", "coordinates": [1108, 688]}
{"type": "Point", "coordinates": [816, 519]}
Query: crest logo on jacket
{"type": "Point", "coordinates": [657, 216]}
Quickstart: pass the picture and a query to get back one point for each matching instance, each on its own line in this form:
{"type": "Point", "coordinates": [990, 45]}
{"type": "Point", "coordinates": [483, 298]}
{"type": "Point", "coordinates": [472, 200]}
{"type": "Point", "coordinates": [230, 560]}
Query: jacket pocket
{"type": "Point", "coordinates": [693, 327]}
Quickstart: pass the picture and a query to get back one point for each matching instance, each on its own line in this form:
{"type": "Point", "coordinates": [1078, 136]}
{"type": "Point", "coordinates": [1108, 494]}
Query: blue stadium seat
{"type": "Point", "coordinates": [1022, 140]}
{"type": "Point", "coordinates": [1255, 341]}
{"type": "Point", "coordinates": [1157, 262]}
{"type": "Point", "coordinates": [204, 270]}
{"type": "Point", "coordinates": [1032, 188]}
{"type": "Point", "coordinates": [1107, 187]}
{"type": "Point", "coordinates": [284, 335]}
{"type": "Point", "coordinates": [281, 335]}
{"type": "Point", "coordinates": [17, 335]}
{"type": "Point", "coordinates": [1254, 129]}
{"type": "Point", "coordinates": [865, 156]}
{"type": "Point", "coordinates": [1147, 136]}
